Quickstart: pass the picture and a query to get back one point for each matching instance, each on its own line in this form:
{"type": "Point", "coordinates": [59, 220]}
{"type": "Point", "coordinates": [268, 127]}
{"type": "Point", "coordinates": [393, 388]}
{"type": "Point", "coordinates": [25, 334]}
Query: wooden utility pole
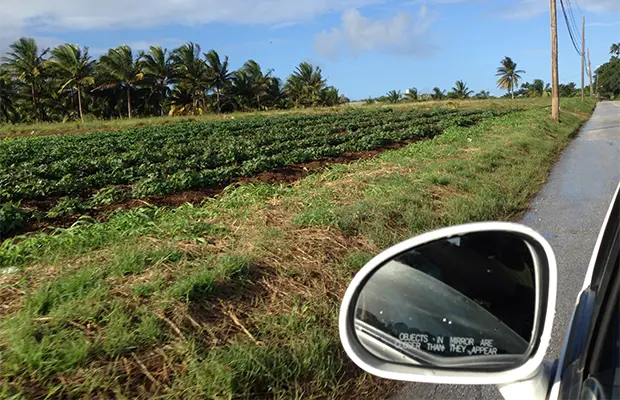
{"type": "Point", "coordinates": [555, 80]}
{"type": "Point", "coordinates": [596, 84]}
{"type": "Point", "coordinates": [583, 57]}
{"type": "Point", "coordinates": [590, 73]}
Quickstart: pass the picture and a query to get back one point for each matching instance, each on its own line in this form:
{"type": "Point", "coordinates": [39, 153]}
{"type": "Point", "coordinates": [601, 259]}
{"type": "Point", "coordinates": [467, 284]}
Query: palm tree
{"type": "Point", "coordinates": [25, 63]}
{"type": "Point", "coordinates": [508, 75]}
{"type": "Point", "coordinates": [615, 49]}
{"type": "Point", "coordinates": [192, 73]}
{"type": "Point", "coordinates": [483, 95]}
{"type": "Point", "coordinates": [260, 81]}
{"type": "Point", "coordinates": [461, 91]}
{"type": "Point", "coordinates": [438, 94]}
{"type": "Point", "coordinates": [221, 77]}
{"type": "Point", "coordinates": [412, 94]}
{"type": "Point", "coordinates": [7, 95]}
{"type": "Point", "coordinates": [123, 70]}
{"type": "Point", "coordinates": [157, 68]}
{"type": "Point", "coordinates": [393, 96]}
{"type": "Point", "coordinates": [330, 96]}
{"type": "Point", "coordinates": [242, 90]}
{"type": "Point", "coordinates": [305, 85]}
{"type": "Point", "coordinates": [275, 93]}
{"type": "Point", "coordinates": [74, 67]}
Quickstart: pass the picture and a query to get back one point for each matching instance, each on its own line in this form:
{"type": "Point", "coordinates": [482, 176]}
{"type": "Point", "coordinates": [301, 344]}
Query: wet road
{"type": "Point", "coordinates": [569, 212]}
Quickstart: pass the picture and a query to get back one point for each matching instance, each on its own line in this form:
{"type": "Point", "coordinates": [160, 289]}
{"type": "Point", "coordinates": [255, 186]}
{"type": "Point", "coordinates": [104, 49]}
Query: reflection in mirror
{"type": "Point", "coordinates": [466, 296]}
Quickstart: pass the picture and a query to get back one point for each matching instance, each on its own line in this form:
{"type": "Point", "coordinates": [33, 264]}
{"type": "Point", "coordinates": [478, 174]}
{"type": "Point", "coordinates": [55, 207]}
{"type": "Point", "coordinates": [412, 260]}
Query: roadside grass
{"type": "Point", "coordinates": [99, 125]}
{"type": "Point", "coordinates": [238, 298]}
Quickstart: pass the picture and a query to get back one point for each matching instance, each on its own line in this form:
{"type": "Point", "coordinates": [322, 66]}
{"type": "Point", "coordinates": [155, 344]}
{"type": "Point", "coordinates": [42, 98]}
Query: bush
{"type": "Point", "coordinates": [12, 218]}
{"type": "Point", "coordinates": [66, 207]}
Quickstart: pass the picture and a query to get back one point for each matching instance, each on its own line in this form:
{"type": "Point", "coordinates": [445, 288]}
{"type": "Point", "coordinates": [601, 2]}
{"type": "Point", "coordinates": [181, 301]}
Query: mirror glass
{"type": "Point", "coordinates": [444, 302]}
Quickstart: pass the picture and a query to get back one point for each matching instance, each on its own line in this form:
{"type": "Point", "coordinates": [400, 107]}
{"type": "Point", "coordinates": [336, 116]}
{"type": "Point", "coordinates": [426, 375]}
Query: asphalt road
{"type": "Point", "coordinates": [568, 212]}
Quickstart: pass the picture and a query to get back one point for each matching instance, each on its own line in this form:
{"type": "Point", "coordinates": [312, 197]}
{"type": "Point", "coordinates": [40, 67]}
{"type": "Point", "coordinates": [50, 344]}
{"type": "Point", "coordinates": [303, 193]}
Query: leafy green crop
{"type": "Point", "coordinates": [12, 218]}
{"type": "Point", "coordinates": [163, 159]}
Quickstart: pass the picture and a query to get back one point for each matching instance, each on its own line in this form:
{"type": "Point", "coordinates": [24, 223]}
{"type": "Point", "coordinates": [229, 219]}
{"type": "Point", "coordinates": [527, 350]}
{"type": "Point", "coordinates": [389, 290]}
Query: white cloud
{"type": "Point", "coordinates": [97, 14]}
{"type": "Point", "coordinates": [524, 9]}
{"type": "Point", "coordinates": [600, 6]}
{"type": "Point", "coordinates": [138, 45]}
{"type": "Point", "coordinates": [24, 18]}
{"type": "Point", "coordinates": [603, 24]}
{"type": "Point", "coordinates": [402, 33]}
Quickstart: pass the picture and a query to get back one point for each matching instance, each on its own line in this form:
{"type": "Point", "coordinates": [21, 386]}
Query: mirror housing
{"type": "Point", "coordinates": [388, 362]}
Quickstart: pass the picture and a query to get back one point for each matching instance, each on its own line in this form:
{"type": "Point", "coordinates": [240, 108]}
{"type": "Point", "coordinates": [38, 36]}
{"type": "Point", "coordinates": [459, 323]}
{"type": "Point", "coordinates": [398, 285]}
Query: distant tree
{"type": "Point", "coordinates": [259, 80]}
{"type": "Point", "coordinates": [535, 89]}
{"type": "Point", "coordinates": [538, 87]}
{"type": "Point", "coordinates": [122, 69]}
{"type": "Point", "coordinates": [305, 85]}
{"type": "Point", "coordinates": [461, 91]}
{"type": "Point", "coordinates": [183, 81]}
{"type": "Point", "coordinates": [192, 76]}
{"type": "Point", "coordinates": [220, 75]}
{"type": "Point", "coordinates": [243, 90]}
{"type": "Point", "coordinates": [275, 97]}
{"type": "Point", "coordinates": [425, 97]}
{"type": "Point", "coordinates": [483, 95]}
{"type": "Point", "coordinates": [438, 94]}
{"type": "Point", "coordinates": [330, 96]}
{"type": "Point", "coordinates": [393, 96]}
{"type": "Point", "coordinates": [608, 76]}
{"type": "Point", "coordinates": [614, 50]}
{"type": "Point", "coordinates": [411, 94]}
{"type": "Point", "coordinates": [158, 69]}
{"type": "Point", "coordinates": [74, 67]}
{"type": "Point", "coordinates": [509, 75]}
{"type": "Point", "coordinates": [8, 94]}
{"type": "Point", "coordinates": [568, 90]}
{"type": "Point", "coordinates": [25, 63]}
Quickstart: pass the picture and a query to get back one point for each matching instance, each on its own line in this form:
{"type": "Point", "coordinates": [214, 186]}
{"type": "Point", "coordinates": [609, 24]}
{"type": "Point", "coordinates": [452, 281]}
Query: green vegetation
{"type": "Point", "coordinates": [508, 76]}
{"type": "Point", "coordinates": [66, 83]}
{"type": "Point", "coordinates": [608, 78]}
{"type": "Point", "coordinates": [238, 297]}
{"type": "Point", "coordinates": [85, 171]}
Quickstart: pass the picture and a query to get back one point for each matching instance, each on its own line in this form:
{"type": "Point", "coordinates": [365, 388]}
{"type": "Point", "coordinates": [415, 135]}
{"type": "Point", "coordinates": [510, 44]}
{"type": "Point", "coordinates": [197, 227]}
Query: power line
{"type": "Point", "coordinates": [571, 33]}
{"type": "Point", "coordinates": [572, 18]}
{"type": "Point", "coordinates": [578, 8]}
{"type": "Point", "coordinates": [570, 30]}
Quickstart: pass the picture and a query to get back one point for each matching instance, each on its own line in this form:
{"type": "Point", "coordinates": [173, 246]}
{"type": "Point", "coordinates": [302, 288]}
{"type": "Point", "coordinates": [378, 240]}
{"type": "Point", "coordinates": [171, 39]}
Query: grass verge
{"type": "Point", "coordinates": [238, 298]}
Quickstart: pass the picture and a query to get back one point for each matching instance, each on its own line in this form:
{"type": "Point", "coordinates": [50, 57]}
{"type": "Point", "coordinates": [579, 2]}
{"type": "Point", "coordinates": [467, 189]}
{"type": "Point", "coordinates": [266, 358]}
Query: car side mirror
{"type": "Point", "coordinates": [470, 304]}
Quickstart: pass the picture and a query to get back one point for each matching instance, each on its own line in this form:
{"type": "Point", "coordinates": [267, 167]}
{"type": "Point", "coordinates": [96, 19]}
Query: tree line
{"type": "Point", "coordinates": [66, 83]}
{"type": "Point", "coordinates": [508, 78]}
{"type": "Point", "coordinates": [608, 75]}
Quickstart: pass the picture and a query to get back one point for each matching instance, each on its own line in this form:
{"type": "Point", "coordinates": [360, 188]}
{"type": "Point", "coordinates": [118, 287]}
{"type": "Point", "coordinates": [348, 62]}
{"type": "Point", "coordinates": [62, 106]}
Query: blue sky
{"type": "Point", "coordinates": [365, 47]}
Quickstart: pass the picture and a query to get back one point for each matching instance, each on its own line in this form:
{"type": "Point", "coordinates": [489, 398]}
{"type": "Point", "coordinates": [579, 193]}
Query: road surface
{"type": "Point", "coordinates": [568, 212]}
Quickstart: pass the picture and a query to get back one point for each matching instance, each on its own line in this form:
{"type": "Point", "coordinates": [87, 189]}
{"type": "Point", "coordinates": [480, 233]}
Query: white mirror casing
{"type": "Point", "coordinates": [531, 367]}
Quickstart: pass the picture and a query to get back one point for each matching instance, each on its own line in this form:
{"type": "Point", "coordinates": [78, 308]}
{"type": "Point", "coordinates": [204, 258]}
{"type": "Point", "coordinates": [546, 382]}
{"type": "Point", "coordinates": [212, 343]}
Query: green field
{"type": "Point", "coordinates": [72, 174]}
{"type": "Point", "coordinates": [238, 297]}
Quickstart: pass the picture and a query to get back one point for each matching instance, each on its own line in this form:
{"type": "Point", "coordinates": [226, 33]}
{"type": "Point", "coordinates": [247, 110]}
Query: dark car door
{"type": "Point", "coordinates": [591, 363]}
